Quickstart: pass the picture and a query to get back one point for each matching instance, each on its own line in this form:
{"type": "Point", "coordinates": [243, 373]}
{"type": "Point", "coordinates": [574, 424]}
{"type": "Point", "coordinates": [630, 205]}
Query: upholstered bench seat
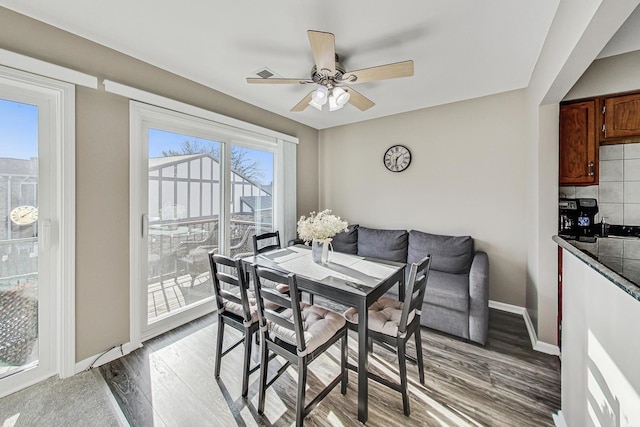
{"type": "Point", "coordinates": [448, 290]}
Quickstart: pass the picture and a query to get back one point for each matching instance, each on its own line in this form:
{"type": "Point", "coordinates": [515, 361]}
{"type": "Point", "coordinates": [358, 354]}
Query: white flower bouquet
{"type": "Point", "coordinates": [320, 226]}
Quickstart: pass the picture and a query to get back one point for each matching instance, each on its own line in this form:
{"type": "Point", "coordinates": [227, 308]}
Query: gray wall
{"type": "Point", "coordinates": [102, 168]}
{"type": "Point", "coordinates": [467, 177]}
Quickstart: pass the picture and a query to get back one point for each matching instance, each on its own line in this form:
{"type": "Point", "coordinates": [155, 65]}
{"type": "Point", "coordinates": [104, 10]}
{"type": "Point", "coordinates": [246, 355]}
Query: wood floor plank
{"type": "Point", "coordinates": [505, 383]}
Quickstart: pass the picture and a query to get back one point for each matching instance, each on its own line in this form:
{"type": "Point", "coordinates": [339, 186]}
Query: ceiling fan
{"type": "Point", "coordinates": [332, 77]}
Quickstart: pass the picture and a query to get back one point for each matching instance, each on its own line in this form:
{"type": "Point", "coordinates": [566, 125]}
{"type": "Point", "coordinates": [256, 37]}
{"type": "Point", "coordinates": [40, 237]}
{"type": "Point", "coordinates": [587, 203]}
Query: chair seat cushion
{"type": "Point", "coordinates": [282, 288]}
{"type": "Point", "coordinates": [235, 308]}
{"type": "Point", "coordinates": [384, 316]}
{"type": "Point", "coordinates": [319, 326]}
{"type": "Point", "coordinates": [448, 290]}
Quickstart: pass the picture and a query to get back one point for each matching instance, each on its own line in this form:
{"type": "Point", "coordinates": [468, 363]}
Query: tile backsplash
{"type": "Point", "coordinates": [618, 194]}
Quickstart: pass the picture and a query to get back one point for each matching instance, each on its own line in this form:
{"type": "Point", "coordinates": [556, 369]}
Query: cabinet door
{"type": "Point", "coordinates": [578, 147]}
{"type": "Point", "coordinates": [622, 116]}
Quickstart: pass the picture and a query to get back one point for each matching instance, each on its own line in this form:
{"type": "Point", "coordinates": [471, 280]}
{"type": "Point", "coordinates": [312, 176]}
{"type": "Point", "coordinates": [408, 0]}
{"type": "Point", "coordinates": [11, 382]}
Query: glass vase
{"type": "Point", "coordinates": [321, 251]}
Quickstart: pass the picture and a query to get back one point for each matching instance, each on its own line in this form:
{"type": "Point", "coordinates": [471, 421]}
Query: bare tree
{"type": "Point", "coordinates": [239, 161]}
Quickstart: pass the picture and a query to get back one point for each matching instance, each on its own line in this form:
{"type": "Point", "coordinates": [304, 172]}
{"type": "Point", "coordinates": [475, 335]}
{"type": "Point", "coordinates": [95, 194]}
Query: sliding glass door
{"type": "Point", "coordinates": [197, 187]}
{"type": "Point", "coordinates": [251, 200]}
{"type": "Point", "coordinates": [183, 220]}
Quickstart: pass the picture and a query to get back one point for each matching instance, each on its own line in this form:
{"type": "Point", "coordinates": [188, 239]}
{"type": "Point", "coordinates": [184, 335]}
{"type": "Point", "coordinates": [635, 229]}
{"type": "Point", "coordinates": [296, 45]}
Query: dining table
{"type": "Point", "coordinates": [351, 280]}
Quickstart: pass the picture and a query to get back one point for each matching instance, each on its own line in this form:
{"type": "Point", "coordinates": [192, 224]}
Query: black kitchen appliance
{"type": "Point", "coordinates": [576, 219]}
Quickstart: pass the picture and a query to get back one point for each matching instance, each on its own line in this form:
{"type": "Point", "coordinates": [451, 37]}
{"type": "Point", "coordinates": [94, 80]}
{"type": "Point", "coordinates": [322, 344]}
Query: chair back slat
{"type": "Point", "coordinates": [276, 297]}
{"type": "Point", "coordinates": [266, 242]}
{"type": "Point", "coordinates": [228, 278]}
{"type": "Point", "coordinates": [292, 302]}
{"type": "Point", "coordinates": [278, 319]}
{"type": "Point", "coordinates": [415, 289]}
{"type": "Point", "coordinates": [238, 281]}
{"type": "Point", "coordinates": [230, 296]}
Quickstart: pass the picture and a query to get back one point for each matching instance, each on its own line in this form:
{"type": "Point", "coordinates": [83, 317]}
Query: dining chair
{"type": "Point", "coordinates": [270, 241]}
{"type": "Point", "coordinates": [266, 242]}
{"type": "Point", "coordinates": [393, 323]}
{"type": "Point", "coordinates": [236, 309]}
{"type": "Point", "coordinates": [299, 334]}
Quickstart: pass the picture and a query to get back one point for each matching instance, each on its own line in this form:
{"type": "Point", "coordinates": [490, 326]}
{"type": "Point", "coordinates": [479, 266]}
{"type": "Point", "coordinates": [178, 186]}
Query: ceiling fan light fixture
{"type": "Point", "coordinates": [317, 105]}
{"type": "Point", "coordinates": [320, 95]}
{"type": "Point", "coordinates": [333, 105]}
{"type": "Point", "coordinates": [341, 96]}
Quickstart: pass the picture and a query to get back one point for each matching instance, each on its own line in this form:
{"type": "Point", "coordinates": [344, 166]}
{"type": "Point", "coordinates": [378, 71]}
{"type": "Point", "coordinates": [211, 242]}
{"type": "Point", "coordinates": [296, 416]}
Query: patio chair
{"type": "Point", "coordinates": [393, 323]}
{"type": "Point", "coordinates": [299, 334]}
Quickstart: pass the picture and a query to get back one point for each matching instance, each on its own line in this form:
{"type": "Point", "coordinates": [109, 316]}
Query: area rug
{"type": "Point", "coordinates": [82, 400]}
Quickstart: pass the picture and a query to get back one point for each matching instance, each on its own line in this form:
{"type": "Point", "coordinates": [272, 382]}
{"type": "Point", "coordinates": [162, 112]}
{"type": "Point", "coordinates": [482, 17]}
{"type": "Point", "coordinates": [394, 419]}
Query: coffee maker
{"type": "Point", "coordinates": [576, 219]}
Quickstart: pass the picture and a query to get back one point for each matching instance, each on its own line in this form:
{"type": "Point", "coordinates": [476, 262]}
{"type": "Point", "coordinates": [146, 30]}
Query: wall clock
{"type": "Point", "coordinates": [397, 158]}
{"type": "Point", "coordinates": [24, 215]}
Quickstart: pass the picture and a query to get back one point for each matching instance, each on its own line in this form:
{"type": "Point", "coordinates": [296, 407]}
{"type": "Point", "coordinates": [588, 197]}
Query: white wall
{"type": "Point", "coordinates": [466, 177]}
{"type": "Point", "coordinates": [607, 76]}
{"type": "Point", "coordinates": [578, 33]}
{"type": "Point", "coordinates": [600, 350]}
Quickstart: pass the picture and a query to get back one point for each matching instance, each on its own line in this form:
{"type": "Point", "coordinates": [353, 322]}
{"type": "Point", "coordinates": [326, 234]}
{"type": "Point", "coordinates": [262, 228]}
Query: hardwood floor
{"type": "Point", "coordinates": [169, 382]}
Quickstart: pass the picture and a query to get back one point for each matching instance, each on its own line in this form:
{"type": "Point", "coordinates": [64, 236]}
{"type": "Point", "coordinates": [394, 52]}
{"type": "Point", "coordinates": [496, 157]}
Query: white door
{"type": "Point", "coordinates": [30, 218]}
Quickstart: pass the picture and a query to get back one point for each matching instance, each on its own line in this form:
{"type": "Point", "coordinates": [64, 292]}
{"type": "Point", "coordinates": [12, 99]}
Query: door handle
{"type": "Point", "coordinates": [144, 224]}
{"type": "Point", "coordinates": [46, 234]}
{"type": "Point", "coordinates": [591, 169]}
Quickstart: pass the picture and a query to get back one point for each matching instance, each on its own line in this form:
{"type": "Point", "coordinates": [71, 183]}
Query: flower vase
{"type": "Point", "coordinates": [321, 251]}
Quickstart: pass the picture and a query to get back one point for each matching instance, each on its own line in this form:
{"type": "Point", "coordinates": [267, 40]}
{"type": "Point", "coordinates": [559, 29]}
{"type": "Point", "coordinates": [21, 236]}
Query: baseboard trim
{"type": "Point", "coordinates": [540, 346]}
{"type": "Point", "coordinates": [558, 419]}
{"type": "Point", "coordinates": [106, 357]}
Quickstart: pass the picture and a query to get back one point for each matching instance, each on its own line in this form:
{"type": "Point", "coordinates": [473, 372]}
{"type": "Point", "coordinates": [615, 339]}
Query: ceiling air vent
{"type": "Point", "coordinates": [265, 73]}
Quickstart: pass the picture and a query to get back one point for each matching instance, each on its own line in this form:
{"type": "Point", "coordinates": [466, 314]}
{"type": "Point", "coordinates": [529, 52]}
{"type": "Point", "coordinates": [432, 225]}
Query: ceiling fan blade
{"type": "Point", "coordinates": [277, 81]}
{"type": "Point", "coordinates": [323, 47]}
{"type": "Point", "coordinates": [382, 72]}
{"type": "Point", "coordinates": [303, 103]}
{"type": "Point", "coordinates": [358, 100]}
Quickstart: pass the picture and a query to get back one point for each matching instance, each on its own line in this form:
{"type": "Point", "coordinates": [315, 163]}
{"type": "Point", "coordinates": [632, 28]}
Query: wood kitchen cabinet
{"type": "Point", "coordinates": [578, 144]}
{"type": "Point", "coordinates": [621, 116]}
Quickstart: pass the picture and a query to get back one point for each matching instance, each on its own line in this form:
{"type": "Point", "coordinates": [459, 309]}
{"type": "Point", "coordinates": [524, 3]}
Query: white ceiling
{"type": "Point", "coordinates": [461, 49]}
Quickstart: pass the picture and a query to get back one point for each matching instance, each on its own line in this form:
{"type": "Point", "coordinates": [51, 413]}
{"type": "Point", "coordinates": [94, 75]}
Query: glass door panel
{"type": "Point", "coordinates": [18, 237]}
{"type": "Point", "coordinates": [251, 187]}
{"type": "Point", "coordinates": [183, 216]}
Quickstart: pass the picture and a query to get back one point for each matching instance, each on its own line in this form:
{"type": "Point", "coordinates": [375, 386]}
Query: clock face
{"type": "Point", "coordinates": [397, 158]}
{"type": "Point", "coordinates": [24, 215]}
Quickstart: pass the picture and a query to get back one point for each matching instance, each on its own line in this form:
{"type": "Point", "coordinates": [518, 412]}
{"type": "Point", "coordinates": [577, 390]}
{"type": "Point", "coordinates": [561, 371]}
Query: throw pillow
{"type": "Point", "coordinates": [346, 241]}
{"type": "Point", "coordinates": [451, 254]}
{"type": "Point", "coordinates": [386, 244]}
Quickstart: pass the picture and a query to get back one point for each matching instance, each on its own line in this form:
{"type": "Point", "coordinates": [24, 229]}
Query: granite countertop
{"type": "Point", "coordinates": [616, 258]}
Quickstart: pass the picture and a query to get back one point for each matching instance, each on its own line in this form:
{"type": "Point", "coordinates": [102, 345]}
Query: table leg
{"type": "Point", "coordinates": [363, 361]}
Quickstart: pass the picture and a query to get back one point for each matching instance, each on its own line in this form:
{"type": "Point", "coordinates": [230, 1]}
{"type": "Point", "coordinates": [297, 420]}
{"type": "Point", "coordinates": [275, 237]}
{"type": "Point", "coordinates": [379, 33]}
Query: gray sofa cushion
{"type": "Point", "coordinates": [451, 254]}
{"type": "Point", "coordinates": [448, 290]}
{"type": "Point", "coordinates": [386, 244]}
{"type": "Point", "coordinates": [347, 241]}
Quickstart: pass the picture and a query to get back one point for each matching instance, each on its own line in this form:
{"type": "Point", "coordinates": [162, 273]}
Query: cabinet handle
{"type": "Point", "coordinates": [591, 169]}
